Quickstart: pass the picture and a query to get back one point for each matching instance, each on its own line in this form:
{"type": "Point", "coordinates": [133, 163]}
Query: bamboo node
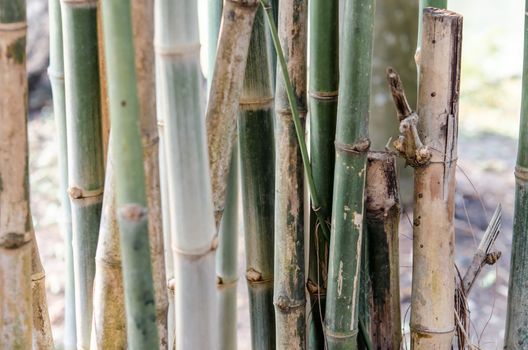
{"type": "Point", "coordinates": [38, 276]}
{"type": "Point", "coordinates": [285, 304]}
{"type": "Point", "coordinates": [253, 275]}
{"type": "Point", "coordinates": [521, 173]}
{"type": "Point", "coordinates": [424, 330]}
{"type": "Point", "coordinates": [177, 51]}
{"type": "Point", "coordinates": [133, 212]}
{"type": "Point", "coordinates": [358, 147]}
{"type": "Point", "coordinates": [324, 95]}
{"type": "Point", "coordinates": [13, 240]}
{"type": "Point", "coordinates": [52, 74]}
{"type": "Point", "coordinates": [223, 283]}
{"type": "Point", "coordinates": [13, 27]}
{"type": "Point", "coordinates": [339, 335]}
{"type": "Point", "coordinates": [79, 193]}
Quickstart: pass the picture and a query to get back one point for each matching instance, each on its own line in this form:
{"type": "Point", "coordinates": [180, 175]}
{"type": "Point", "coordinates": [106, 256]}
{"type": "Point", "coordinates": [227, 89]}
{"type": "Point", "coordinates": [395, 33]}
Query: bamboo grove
{"type": "Point", "coordinates": [161, 169]}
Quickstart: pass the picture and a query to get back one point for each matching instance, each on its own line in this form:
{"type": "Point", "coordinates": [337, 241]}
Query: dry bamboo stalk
{"type": "Point", "coordinates": [226, 87]}
{"type": "Point", "coordinates": [433, 286]}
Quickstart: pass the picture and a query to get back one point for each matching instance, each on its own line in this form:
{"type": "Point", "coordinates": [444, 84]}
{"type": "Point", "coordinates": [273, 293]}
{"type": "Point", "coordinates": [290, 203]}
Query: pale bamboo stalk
{"type": "Point", "coordinates": [191, 209]}
{"type": "Point", "coordinates": [433, 286]}
{"type": "Point", "coordinates": [289, 265]}
{"type": "Point", "coordinates": [214, 19]}
{"type": "Point", "coordinates": [56, 76]}
{"type": "Point", "coordinates": [15, 218]}
{"type": "Point", "coordinates": [383, 217]}
{"type": "Point", "coordinates": [85, 150]}
{"type": "Point", "coordinates": [226, 87]}
{"type": "Point", "coordinates": [441, 4]}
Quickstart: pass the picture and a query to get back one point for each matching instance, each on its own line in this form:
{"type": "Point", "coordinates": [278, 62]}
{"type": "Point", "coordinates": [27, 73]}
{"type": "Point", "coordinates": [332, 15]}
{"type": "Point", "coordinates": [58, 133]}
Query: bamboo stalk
{"type": "Point", "coordinates": [226, 87]}
{"type": "Point", "coordinates": [289, 267]}
{"type": "Point", "coordinates": [324, 80]}
{"type": "Point", "coordinates": [383, 217]}
{"type": "Point", "coordinates": [423, 4]}
{"type": "Point", "coordinates": [351, 147]}
{"type": "Point", "coordinates": [15, 218]}
{"type": "Point", "coordinates": [56, 76]}
{"type": "Point", "coordinates": [85, 150]}
{"type": "Point", "coordinates": [516, 335]}
{"type": "Point", "coordinates": [109, 325]}
{"type": "Point", "coordinates": [190, 197]}
{"type": "Point", "coordinates": [214, 19]}
{"type": "Point", "coordinates": [127, 149]}
{"type": "Point", "coordinates": [257, 164]}
{"type": "Point", "coordinates": [433, 285]}
{"type": "Point", "coordinates": [273, 53]}
{"type": "Point", "coordinates": [143, 31]}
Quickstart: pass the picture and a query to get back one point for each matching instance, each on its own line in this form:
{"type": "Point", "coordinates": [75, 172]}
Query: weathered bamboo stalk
{"type": "Point", "coordinates": [433, 285]}
{"type": "Point", "coordinates": [516, 335]}
{"type": "Point", "coordinates": [56, 76]}
{"type": "Point", "coordinates": [257, 164]}
{"type": "Point", "coordinates": [126, 107]}
{"type": "Point", "coordinates": [324, 80]}
{"type": "Point", "coordinates": [383, 217]}
{"type": "Point", "coordinates": [226, 87]}
{"type": "Point", "coordinates": [191, 209]}
{"type": "Point", "coordinates": [85, 150]}
{"type": "Point", "coordinates": [351, 146]}
{"type": "Point", "coordinates": [423, 4]}
{"type": "Point", "coordinates": [15, 218]}
{"type": "Point", "coordinates": [289, 266]}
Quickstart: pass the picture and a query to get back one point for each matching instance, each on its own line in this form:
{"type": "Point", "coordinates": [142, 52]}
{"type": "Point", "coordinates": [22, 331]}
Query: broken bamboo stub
{"type": "Point", "coordinates": [433, 286]}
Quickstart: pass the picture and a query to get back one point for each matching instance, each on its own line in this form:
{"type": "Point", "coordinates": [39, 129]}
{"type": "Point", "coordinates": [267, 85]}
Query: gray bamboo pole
{"type": "Point", "coordinates": [289, 267]}
{"type": "Point", "coordinates": [433, 285]}
{"type": "Point", "coordinates": [190, 197]}
{"type": "Point", "coordinates": [85, 150]}
{"type": "Point", "coordinates": [516, 336]}
{"type": "Point", "coordinates": [121, 45]}
{"type": "Point", "coordinates": [15, 218]}
{"type": "Point", "coordinates": [226, 87]}
{"type": "Point", "coordinates": [351, 145]}
{"type": "Point", "coordinates": [56, 76]}
{"type": "Point", "coordinates": [257, 164]}
{"type": "Point", "coordinates": [214, 19]}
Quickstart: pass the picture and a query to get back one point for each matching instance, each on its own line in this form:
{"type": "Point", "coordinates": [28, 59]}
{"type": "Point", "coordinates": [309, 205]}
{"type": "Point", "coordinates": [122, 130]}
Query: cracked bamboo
{"type": "Point", "coordinates": [433, 286]}
{"type": "Point", "coordinates": [324, 80]}
{"type": "Point", "coordinates": [351, 146]}
{"type": "Point", "coordinates": [441, 4]}
{"type": "Point", "coordinates": [257, 164]}
{"type": "Point", "coordinates": [226, 87]}
{"type": "Point", "coordinates": [289, 266]}
{"type": "Point", "coordinates": [516, 335]}
{"type": "Point", "coordinates": [85, 150]}
{"type": "Point", "coordinates": [15, 218]}
{"type": "Point", "coordinates": [191, 207]}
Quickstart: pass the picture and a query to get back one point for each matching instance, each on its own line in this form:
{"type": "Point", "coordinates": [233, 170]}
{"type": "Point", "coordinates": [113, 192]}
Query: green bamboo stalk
{"type": "Point", "coordinates": [289, 267]}
{"type": "Point", "coordinates": [226, 87]}
{"type": "Point", "coordinates": [273, 53]}
{"type": "Point", "coordinates": [15, 218]}
{"type": "Point", "coordinates": [324, 80]}
{"type": "Point", "coordinates": [190, 197]}
{"type": "Point", "coordinates": [348, 209]}
{"type": "Point", "coordinates": [214, 19]}
{"type": "Point", "coordinates": [56, 76]}
{"type": "Point", "coordinates": [257, 168]}
{"type": "Point", "coordinates": [516, 335]}
{"type": "Point", "coordinates": [127, 154]}
{"type": "Point", "coordinates": [85, 150]}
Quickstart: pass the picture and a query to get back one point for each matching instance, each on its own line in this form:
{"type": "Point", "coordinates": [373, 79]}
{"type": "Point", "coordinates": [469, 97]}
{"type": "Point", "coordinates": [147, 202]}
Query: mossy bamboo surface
{"type": "Point", "coordinates": [85, 150]}
{"type": "Point", "coordinates": [226, 87]}
{"type": "Point", "coordinates": [191, 209]}
{"type": "Point", "coordinates": [127, 155]}
{"type": "Point", "coordinates": [257, 164]}
{"type": "Point", "coordinates": [324, 80]}
{"type": "Point", "coordinates": [109, 325]}
{"type": "Point", "coordinates": [289, 266]}
{"type": "Point", "coordinates": [15, 218]}
{"type": "Point", "coordinates": [143, 30]}
{"type": "Point", "coordinates": [433, 286]}
{"type": "Point", "coordinates": [351, 146]}
{"type": "Point", "coordinates": [382, 220]}
{"type": "Point", "coordinates": [56, 76]}
{"type": "Point", "coordinates": [516, 336]}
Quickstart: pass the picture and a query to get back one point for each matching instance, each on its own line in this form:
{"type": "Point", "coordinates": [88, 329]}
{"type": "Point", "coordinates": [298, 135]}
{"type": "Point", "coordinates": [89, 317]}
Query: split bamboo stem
{"type": "Point", "coordinates": [56, 76]}
{"type": "Point", "coordinates": [383, 217]}
{"type": "Point", "coordinates": [433, 285]}
{"type": "Point", "coordinates": [324, 81]}
{"type": "Point", "coordinates": [351, 145]}
{"type": "Point", "coordinates": [191, 209]}
{"type": "Point", "coordinates": [226, 87]}
{"type": "Point", "coordinates": [85, 150]}
{"type": "Point", "coordinates": [516, 335]}
{"type": "Point", "coordinates": [289, 265]}
{"type": "Point", "coordinates": [125, 104]}
{"type": "Point", "coordinates": [15, 218]}
{"type": "Point", "coordinates": [257, 168]}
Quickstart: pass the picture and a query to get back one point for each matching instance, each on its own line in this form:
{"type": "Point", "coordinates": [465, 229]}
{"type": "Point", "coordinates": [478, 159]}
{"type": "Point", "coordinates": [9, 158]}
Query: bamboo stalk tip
{"type": "Point", "coordinates": [443, 13]}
